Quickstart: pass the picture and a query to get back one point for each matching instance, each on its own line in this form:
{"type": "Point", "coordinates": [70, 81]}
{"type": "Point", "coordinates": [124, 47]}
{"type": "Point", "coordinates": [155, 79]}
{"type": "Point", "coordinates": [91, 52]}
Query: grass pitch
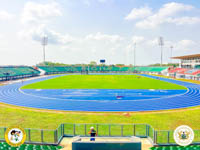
{"type": "Point", "coordinates": [102, 82]}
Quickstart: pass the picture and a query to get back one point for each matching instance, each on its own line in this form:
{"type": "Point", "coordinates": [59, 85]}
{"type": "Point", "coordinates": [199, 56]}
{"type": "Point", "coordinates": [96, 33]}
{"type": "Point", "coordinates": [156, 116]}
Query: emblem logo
{"type": "Point", "coordinates": [15, 136]}
{"type": "Point", "coordinates": [183, 135]}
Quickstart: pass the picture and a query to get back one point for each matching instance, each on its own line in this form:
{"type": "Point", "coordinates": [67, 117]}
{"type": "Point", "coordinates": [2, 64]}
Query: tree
{"type": "Point", "coordinates": [119, 65]}
{"type": "Point", "coordinates": [93, 63]}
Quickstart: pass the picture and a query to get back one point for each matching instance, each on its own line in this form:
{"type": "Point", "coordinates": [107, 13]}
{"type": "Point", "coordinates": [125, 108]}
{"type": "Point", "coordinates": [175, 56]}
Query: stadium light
{"type": "Point", "coordinates": [161, 43]}
{"type": "Point", "coordinates": [44, 43]}
{"type": "Point", "coordinates": [134, 54]}
{"type": "Point", "coordinates": [171, 47]}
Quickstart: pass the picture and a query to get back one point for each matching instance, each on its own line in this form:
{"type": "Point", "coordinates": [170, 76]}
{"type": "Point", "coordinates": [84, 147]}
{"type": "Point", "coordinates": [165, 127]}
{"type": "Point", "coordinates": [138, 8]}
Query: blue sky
{"type": "Point", "coordinates": [80, 31]}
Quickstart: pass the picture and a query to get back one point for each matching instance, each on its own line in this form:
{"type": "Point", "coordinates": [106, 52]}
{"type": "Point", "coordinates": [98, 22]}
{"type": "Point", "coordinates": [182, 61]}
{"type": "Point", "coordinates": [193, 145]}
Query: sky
{"type": "Point", "coordinates": [81, 31]}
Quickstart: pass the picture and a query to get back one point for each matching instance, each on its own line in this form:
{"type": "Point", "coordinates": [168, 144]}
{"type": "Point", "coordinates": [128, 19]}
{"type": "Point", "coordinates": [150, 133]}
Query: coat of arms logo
{"type": "Point", "coordinates": [183, 135]}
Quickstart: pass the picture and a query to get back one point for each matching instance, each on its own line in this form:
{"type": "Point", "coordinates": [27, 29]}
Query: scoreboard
{"type": "Point", "coordinates": [102, 61]}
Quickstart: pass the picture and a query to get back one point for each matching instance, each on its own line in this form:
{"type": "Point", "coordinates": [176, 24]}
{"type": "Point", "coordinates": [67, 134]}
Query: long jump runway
{"type": "Point", "coordinates": [101, 100]}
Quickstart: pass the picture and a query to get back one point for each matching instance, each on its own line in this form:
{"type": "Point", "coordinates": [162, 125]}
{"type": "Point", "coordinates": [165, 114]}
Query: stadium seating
{"type": "Point", "coordinates": [16, 71]}
{"type": "Point", "coordinates": [56, 69]}
{"type": "Point", "coordinates": [192, 74]}
{"type": "Point", "coordinates": [182, 71]}
{"type": "Point", "coordinates": [197, 67]}
{"type": "Point", "coordinates": [174, 70]}
{"type": "Point", "coordinates": [192, 147]}
{"type": "Point", "coordinates": [65, 69]}
{"type": "Point", "coordinates": [5, 146]}
{"type": "Point", "coordinates": [7, 73]}
{"type": "Point", "coordinates": [150, 69]}
{"type": "Point", "coordinates": [191, 71]}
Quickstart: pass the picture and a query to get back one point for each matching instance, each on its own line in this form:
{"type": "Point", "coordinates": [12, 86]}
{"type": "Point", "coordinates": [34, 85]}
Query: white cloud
{"type": "Point", "coordinates": [36, 17]}
{"type": "Point", "coordinates": [88, 2]}
{"type": "Point", "coordinates": [104, 37]}
{"type": "Point", "coordinates": [168, 13]}
{"type": "Point", "coordinates": [35, 12]}
{"type": "Point", "coordinates": [5, 15]}
{"type": "Point", "coordinates": [153, 42]}
{"type": "Point", "coordinates": [138, 13]}
{"type": "Point", "coordinates": [184, 20]}
{"type": "Point", "coordinates": [186, 44]}
{"type": "Point", "coordinates": [138, 39]}
{"type": "Point", "coordinates": [184, 47]}
{"type": "Point", "coordinates": [36, 34]}
{"type": "Point", "coordinates": [93, 42]}
{"type": "Point", "coordinates": [172, 8]}
{"type": "Point", "coordinates": [181, 45]}
{"type": "Point", "coordinates": [102, 1]}
{"type": "Point", "coordinates": [41, 15]}
{"type": "Point", "coordinates": [97, 46]}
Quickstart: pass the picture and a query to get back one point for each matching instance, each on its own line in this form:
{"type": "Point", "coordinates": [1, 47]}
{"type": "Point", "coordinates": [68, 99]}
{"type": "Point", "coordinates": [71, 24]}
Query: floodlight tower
{"type": "Point", "coordinates": [171, 47]}
{"type": "Point", "coordinates": [161, 44]}
{"type": "Point", "coordinates": [44, 43]}
{"type": "Point", "coordinates": [134, 54]}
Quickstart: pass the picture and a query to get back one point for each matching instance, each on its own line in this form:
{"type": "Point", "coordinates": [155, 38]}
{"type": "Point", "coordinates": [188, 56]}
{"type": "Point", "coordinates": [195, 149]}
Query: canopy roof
{"type": "Point", "coordinates": [187, 56]}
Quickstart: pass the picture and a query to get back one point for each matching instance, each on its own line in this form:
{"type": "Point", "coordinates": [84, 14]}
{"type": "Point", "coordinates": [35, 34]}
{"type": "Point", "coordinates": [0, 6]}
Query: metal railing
{"type": "Point", "coordinates": [140, 130]}
{"type": "Point", "coordinates": [36, 136]}
{"type": "Point", "coordinates": [164, 137]}
{"type": "Point", "coordinates": [44, 136]}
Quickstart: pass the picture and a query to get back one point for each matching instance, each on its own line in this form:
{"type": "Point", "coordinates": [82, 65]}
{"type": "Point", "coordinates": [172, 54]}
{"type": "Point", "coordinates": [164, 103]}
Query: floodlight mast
{"type": "Point", "coordinates": [134, 54]}
{"type": "Point", "coordinates": [44, 43]}
{"type": "Point", "coordinates": [171, 47]}
{"type": "Point", "coordinates": [161, 44]}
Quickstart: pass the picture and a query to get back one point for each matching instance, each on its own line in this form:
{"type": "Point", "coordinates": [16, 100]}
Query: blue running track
{"type": "Point", "coordinates": [101, 100]}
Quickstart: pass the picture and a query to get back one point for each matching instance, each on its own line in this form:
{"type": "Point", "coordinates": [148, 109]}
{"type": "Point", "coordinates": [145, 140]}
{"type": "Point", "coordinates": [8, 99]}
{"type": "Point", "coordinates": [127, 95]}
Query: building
{"type": "Point", "coordinates": [189, 61]}
{"type": "Point", "coordinates": [189, 67]}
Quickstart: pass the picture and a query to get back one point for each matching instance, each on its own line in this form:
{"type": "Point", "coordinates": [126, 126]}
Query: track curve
{"type": "Point", "coordinates": [11, 94]}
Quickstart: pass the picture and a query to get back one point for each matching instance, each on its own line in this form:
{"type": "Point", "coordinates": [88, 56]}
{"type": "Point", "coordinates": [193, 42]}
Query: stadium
{"type": "Point", "coordinates": [104, 91]}
{"type": "Point", "coordinates": [99, 75]}
{"type": "Point", "coordinates": [124, 91]}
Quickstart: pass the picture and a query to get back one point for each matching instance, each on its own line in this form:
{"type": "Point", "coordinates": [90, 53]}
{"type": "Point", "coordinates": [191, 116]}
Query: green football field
{"type": "Point", "coordinates": [102, 82]}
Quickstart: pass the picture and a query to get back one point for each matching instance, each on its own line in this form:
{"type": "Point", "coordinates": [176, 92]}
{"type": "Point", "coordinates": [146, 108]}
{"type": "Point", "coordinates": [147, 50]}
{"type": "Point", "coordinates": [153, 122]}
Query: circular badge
{"type": "Point", "coordinates": [15, 136]}
{"type": "Point", "coordinates": [183, 135]}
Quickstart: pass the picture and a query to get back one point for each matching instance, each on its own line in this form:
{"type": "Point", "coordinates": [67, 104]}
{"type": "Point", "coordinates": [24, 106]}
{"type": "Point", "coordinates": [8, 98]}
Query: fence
{"type": "Point", "coordinates": [166, 137]}
{"type": "Point", "coordinates": [53, 137]}
{"type": "Point", "coordinates": [140, 130]}
{"type": "Point", "coordinates": [37, 136]}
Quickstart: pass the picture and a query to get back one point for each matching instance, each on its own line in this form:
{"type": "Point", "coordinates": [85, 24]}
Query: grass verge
{"type": "Point", "coordinates": [47, 119]}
